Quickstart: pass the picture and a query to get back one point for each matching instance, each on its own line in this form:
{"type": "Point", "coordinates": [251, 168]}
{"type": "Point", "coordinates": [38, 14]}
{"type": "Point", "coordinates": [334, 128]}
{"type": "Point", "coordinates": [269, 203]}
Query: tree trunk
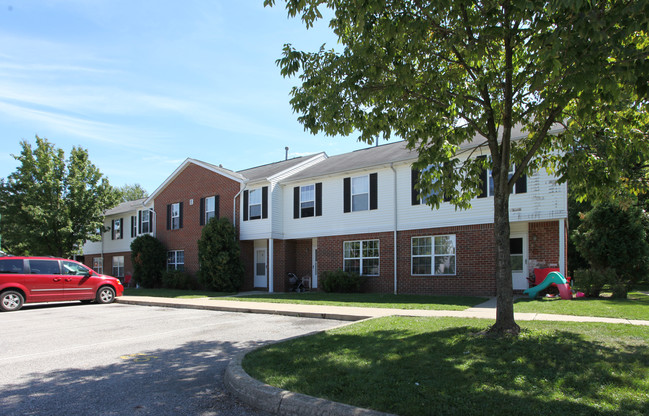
{"type": "Point", "coordinates": [505, 323]}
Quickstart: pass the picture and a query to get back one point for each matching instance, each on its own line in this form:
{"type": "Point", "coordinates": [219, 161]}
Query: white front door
{"type": "Point", "coordinates": [260, 268]}
{"type": "Point", "coordinates": [314, 263]}
{"type": "Point", "coordinates": [518, 255]}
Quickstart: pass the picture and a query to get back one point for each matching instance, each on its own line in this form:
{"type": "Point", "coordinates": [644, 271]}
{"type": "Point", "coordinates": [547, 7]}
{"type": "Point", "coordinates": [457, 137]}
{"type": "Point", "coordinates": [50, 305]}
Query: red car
{"type": "Point", "coordinates": [48, 279]}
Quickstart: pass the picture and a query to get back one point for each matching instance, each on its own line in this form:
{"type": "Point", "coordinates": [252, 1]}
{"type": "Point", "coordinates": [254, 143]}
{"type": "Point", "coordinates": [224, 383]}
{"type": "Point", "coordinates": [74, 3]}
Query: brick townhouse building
{"type": "Point", "coordinates": [357, 211]}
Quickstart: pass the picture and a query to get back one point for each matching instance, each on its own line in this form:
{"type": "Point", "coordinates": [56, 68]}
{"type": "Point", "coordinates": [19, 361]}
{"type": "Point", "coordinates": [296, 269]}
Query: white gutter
{"type": "Point", "coordinates": [395, 227]}
{"type": "Point", "coordinates": [234, 204]}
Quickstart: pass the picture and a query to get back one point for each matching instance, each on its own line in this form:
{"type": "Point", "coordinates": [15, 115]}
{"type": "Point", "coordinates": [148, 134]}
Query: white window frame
{"type": "Point", "coordinates": [362, 182]}
{"type": "Point", "coordinates": [210, 212]}
{"type": "Point", "coordinates": [146, 222]}
{"type": "Point", "coordinates": [349, 255]}
{"type": "Point", "coordinates": [98, 264]}
{"type": "Point", "coordinates": [175, 216]}
{"type": "Point", "coordinates": [433, 255]}
{"type": "Point", "coordinates": [254, 201]}
{"type": "Point", "coordinates": [118, 266]}
{"type": "Point", "coordinates": [490, 179]}
{"type": "Point", "coordinates": [307, 201]}
{"type": "Point", "coordinates": [117, 229]}
{"type": "Point", "coordinates": [176, 260]}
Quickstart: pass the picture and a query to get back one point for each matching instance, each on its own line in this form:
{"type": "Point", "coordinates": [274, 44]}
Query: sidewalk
{"type": "Point", "coordinates": [486, 310]}
{"type": "Point", "coordinates": [282, 402]}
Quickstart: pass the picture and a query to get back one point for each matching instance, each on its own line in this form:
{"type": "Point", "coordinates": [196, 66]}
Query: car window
{"type": "Point", "coordinates": [73, 268]}
{"type": "Point", "coordinates": [11, 266]}
{"type": "Point", "coordinates": [44, 266]}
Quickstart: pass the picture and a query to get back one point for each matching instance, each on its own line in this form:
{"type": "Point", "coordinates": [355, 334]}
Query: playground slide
{"type": "Point", "coordinates": [552, 277]}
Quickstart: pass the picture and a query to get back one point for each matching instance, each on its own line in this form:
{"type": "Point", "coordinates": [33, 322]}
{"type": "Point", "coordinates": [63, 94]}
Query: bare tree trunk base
{"type": "Point", "coordinates": [500, 329]}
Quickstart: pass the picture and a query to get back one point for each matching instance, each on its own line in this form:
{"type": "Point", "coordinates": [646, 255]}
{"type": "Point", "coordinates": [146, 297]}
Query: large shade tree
{"type": "Point", "coordinates": [441, 73]}
{"type": "Point", "coordinates": [50, 205]}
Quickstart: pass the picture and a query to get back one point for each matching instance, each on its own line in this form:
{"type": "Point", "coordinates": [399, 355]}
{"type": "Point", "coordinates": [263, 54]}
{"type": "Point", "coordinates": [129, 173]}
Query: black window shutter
{"type": "Point", "coordinates": [139, 222]}
{"type": "Point", "coordinates": [180, 225]}
{"type": "Point", "coordinates": [112, 230]}
{"type": "Point", "coordinates": [296, 202]}
{"type": "Point", "coordinates": [484, 181]}
{"type": "Point", "coordinates": [169, 217]}
{"type": "Point", "coordinates": [121, 228]}
{"type": "Point", "coordinates": [448, 175]}
{"type": "Point", "coordinates": [264, 202]}
{"type": "Point", "coordinates": [521, 184]}
{"type": "Point", "coordinates": [318, 199]}
{"type": "Point", "coordinates": [202, 212]}
{"type": "Point", "coordinates": [414, 180]}
{"type": "Point", "coordinates": [217, 207]}
{"type": "Point", "coordinates": [374, 191]}
{"type": "Point", "coordinates": [347, 195]}
{"type": "Point", "coordinates": [245, 205]}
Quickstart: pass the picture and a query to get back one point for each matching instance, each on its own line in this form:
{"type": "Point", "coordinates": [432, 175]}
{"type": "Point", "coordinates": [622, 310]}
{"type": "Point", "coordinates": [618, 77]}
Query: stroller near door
{"type": "Point", "coordinates": [295, 284]}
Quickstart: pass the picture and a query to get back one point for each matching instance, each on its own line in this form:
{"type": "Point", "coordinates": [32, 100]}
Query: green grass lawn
{"type": "Point", "coordinates": [369, 300]}
{"type": "Point", "coordinates": [635, 307]}
{"type": "Point", "coordinates": [428, 366]}
{"type": "Point", "coordinates": [171, 293]}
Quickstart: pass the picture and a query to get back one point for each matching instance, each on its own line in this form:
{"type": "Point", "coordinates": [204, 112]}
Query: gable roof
{"type": "Point", "coordinates": [358, 159]}
{"type": "Point", "coordinates": [216, 169]}
{"type": "Point", "coordinates": [124, 207]}
{"type": "Point", "coordinates": [271, 170]}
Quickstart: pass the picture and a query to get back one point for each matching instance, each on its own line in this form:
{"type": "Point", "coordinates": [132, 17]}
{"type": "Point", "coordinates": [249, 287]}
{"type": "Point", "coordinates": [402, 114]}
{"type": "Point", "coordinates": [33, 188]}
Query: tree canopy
{"type": "Point", "coordinates": [131, 192]}
{"type": "Point", "coordinates": [51, 206]}
{"type": "Point", "coordinates": [440, 74]}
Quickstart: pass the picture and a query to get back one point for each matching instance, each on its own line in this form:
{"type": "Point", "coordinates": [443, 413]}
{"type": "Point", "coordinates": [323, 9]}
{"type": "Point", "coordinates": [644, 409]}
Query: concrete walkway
{"type": "Point", "coordinates": [282, 402]}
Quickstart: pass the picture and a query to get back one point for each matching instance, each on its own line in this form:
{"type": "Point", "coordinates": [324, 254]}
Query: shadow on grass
{"type": "Point", "coordinates": [454, 371]}
{"type": "Point", "coordinates": [185, 380]}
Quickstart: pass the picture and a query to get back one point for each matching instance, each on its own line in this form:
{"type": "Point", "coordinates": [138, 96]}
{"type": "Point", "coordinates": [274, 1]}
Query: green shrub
{"type": "Point", "coordinates": [176, 279]}
{"type": "Point", "coordinates": [614, 237]}
{"type": "Point", "coordinates": [149, 261]}
{"type": "Point", "coordinates": [219, 256]}
{"type": "Point", "coordinates": [341, 282]}
{"type": "Point", "coordinates": [592, 281]}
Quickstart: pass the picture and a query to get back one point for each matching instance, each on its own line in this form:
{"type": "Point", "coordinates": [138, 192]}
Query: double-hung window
{"type": "Point", "coordinates": [98, 264]}
{"type": "Point", "coordinates": [433, 255]}
{"type": "Point", "coordinates": [176, 260]}
{"type": "Point", "coordinates": [488, 189]}
{"type": "Point", "coordinates": [307, 201]}
{"type": "Point", "coordinates": [360, 193]}
{"type": "Point", "coordinates": [145, 223]}
{"type": "Point", "coordinates": [175, 216]}
{"type": "Point", "coordinates": [254, 204]}
{"type": "Point", "coordinates": [117, 229]}
{"type": "Point", "coordinates": [118, 266]}
{"type": "Point", "coordinates": [361, 257]}
{"type": "Point", "coordinates": [210, 208]}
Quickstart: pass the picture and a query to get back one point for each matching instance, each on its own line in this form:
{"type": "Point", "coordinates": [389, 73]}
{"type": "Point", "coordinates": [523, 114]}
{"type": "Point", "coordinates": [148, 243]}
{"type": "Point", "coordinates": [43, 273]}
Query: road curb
{"type": "Point", "coordinates": [283, 402]}
{"type": "Point", "coordinates": [265, 310]}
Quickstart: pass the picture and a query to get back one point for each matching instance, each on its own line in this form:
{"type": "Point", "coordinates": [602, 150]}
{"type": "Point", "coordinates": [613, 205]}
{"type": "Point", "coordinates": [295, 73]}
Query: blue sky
{"type": "Point", "coordinates": [142, 85]}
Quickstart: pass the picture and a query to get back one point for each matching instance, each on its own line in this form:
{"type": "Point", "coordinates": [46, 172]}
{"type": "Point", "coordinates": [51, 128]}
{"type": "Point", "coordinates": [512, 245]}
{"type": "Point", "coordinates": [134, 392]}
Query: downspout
{"type": "Point", "coordinates": [395, 228]}
{"type": "Point", "coordinates": [562, 244]}
{"type": "Point", "coordinates": [234, 204]}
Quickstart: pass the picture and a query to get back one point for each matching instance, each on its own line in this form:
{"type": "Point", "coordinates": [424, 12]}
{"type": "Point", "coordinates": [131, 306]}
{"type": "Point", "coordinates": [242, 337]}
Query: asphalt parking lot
{"type": "Point", "coordinates": [129, 360]}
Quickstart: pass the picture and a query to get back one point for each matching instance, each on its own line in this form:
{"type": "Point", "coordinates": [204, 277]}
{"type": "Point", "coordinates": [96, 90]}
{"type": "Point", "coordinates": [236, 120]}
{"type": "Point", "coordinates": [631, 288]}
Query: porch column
{"type": "Point", "coordinates": [271, 256]}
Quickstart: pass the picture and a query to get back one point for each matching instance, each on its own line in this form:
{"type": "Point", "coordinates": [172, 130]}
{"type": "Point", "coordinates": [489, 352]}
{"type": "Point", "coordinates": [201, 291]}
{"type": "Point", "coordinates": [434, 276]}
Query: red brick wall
{"type": "Point", "coordinates": [474, 263]}
{"type": "Point", "coordinates": [108, 262]}
{"type": "Point", "coordinates": [330, 257]}
{"type": "Point", "coordinates": [544, 244]}
{"type": "Point", "coordinates": [194, 182]}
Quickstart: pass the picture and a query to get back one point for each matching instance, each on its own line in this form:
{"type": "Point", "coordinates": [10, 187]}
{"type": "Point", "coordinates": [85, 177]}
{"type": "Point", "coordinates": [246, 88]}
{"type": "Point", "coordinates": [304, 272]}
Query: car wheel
{"type": "Point", "coordinates": [11, 301]}
{"type": "Point", "coordinates": [105, 294]}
